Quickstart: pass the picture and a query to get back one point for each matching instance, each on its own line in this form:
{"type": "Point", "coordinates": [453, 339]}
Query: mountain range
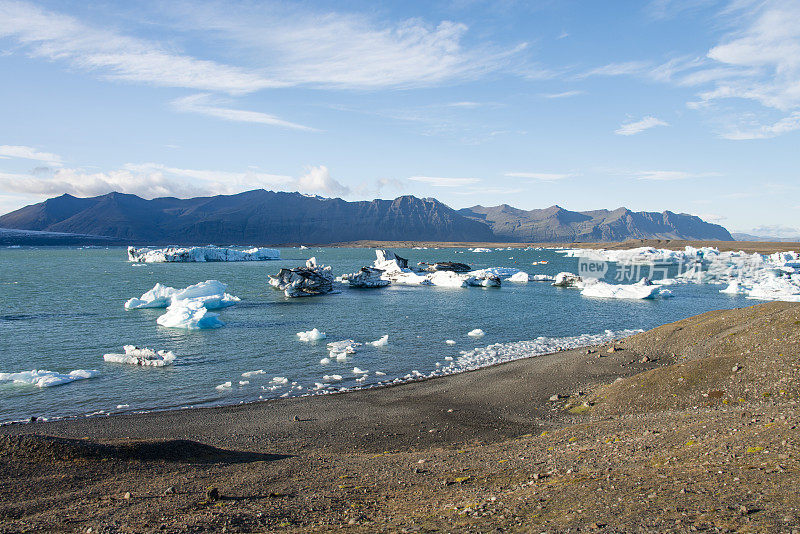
{"type": "Point", "coordinates": [266, 217]}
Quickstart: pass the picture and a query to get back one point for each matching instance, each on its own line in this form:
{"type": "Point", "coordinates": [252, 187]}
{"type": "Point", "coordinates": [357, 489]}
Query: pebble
{"type": "Point", "coordinates": [127, 496]}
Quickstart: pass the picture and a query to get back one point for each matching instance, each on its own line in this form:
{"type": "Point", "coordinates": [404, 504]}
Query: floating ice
{"type": "Point", "coordinates": [521, 276]}
{"type": "Point", "coordinates": [45, 379]}
{"type": "Point", "coordinates": [325, 361]}
{"type": "Point", "coordinates": [567, 280]}
{"type": "Point", "coordinates": [141, 356]}
{"type": "Point", "coordinates": [244, 382]}
{"type": "Point", "coordinates": [357, 371]}
{"type": "Point", "coordinates": [332, 378]}
{"type": "Point", "coordinates": [305, 281]}
{"type": "Point", "coordinates": [250, 374]}
{"type": "Point", "coordinates": [476, 333]}
{"type": "Point", "coordinates": [772, 277]}
{"type": "Point", "coordinates": [280, 380]}
{"type": "Point", "coordinates": [380, 373]}
{"type": "Point", "coordinates": [311, 335]}
{"type": "Point", "coordinates": [640, 290]}
{"type": "Point", "coordinates": [210, 293]}
{"type": "Point", "coordinates": [200, 254]}
{"type": "Point", "coordinates": [189, 314]}
{"type": "Point", "coordinates": [224, 386]}
{"type": "Point", "coordinates": [367, 277]}
{"type": "Point", "coordinates": [382, 342]}
{"type": "Point", "coordinates": [480, 249]}
{"type": "Point", "coordinates": [450, 341]}
{"type": "Point", "coordinates": [340, 349]}
{"type": "Point", "coordinates": [542, 278]}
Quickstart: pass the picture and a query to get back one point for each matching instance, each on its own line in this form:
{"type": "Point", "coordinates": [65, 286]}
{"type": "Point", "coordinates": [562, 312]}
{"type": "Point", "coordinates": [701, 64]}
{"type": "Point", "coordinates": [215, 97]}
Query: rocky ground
{"type": "Point", "coordinates": [689, 427]}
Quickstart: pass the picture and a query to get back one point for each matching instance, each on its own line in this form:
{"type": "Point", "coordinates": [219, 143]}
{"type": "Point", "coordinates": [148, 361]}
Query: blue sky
{"type": "Point", "coordinates": [691, 106]}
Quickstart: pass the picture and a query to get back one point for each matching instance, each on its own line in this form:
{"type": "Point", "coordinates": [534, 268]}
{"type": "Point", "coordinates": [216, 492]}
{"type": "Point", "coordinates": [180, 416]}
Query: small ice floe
{"type": "Point", "coordinates": [250, 374]}
{"type": "Point", "coordinates": [325, 361]}
{"type": "Point", "coordinates": [568, 280]}
{"type": "Point", "coordinates": [200, 254]}
{"type": "Point", "coordinates": [311, 335]}
{"type": "Point", "coordinates": [332, 378]}
{"type": "Point", "coordinates": [305, 281]}
{"type": "Point", "coordinates": [480, 249]}
{"type": "Point", "coordinates": [450, 341]}
{"type": "Point", "coordinates": [340, 349]}
{"type": "Point", "coordinates": [358, 371]}
{"type": "Point", "coordinates": [280, 380]}
{"type": "Point", "coordinates": [123, 406]}
{"type": "Point", "coordinates": [362, 378]}
{"type": "Point", "coordinates": [476, 333]}
{"type": "Point", "coordinates": [448, 358]}
{"type": "Point", "coordinates": [190, 315]}
{"type": "Point", "coordinates": [380, 373]}
{"type": "Point", "coordinates": [244, 382]}
{"type": "Point", "coordinates": [382, 342]}
{"type": "Point", "coordinates": [366, 277]}
{"type": "Point", "coordinates": [224, 386]}
{"type": "Point", "coordinates": [541, 278]}
{"type": "Point", "coordinates": [640, 290]}
{"type": "Point", "coordinates": [520, 277]}
{"type": "Point", "coordinates": [45, 379]}
{"type": "Point", "coordinates": [141, 356]}
{"type": "Point", "coordinates": [210, 293]}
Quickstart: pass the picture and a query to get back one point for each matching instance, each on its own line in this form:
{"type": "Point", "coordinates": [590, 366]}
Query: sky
{"type": "Point", "coordinates": [691, 106]}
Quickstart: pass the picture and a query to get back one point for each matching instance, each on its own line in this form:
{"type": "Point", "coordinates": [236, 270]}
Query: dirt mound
{"type": "Point", "coordinates": [39, 448]}
{"type": "Point", "coordinates": [720, 357]}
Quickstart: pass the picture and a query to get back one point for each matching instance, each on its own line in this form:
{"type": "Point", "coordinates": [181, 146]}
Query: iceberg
{"type": "Point", "coordinates": [382, 342]}
{"type": "Point", "coordinates": [476, 333]}
{"type": "Point", "coordinates": [134, 355]}
{"type": "Point", "coordinates": [210, 293]}
{"type": "Point", "coordinates": [640, 290]}
{"type": "Point", "coordinates": [367, 277]}
{"type": "Point", "coordinates": [340, 349]}
{"type": "Point", "coordinates": [224, 386]}
{"type": "Point", "coordinates": [200, 254]}
{"type": "Point", "coordinates": [568, 280]}
{"type": "Point", "coordinates": [189, 314]}
{"type": "Point", "coordinates": [388, 261]}
{"type": "Point", "coordinates": [542, 278]}
{"type": "Point", "coordinates": [783, 288]}
{"type": "Point", "coordinates": [311, 335]}
{"type": "Point", "coordinates": [248, 374]}
{"type": "Point", "coordinates": [480, 249]}
{"type": "Point", "coordinates": [45, 379]}
{"type": "Point", "coordinates": [305, 281]}
{"type": "Point", "coordinates": [520, 277]}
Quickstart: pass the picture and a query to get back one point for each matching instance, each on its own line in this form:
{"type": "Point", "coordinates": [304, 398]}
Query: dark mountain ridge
{"type": "Point", "coordinates": [266, 217]}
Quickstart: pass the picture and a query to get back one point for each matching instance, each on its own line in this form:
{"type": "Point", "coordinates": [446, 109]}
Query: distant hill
{"type": "Point", "coordinates": [738, 236]}
{"type": "Point", "coordinates": [265, 217]}
{"type": "Point", "coordinates": [556, 224]}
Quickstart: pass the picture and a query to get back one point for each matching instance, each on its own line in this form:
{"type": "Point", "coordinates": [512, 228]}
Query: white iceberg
{"type": "Point", "coordinates": [311, 335]}
{"type": "Point", "coordinates": [332, 378]}
{"type": "Point", "coordinates": [450, 341]}
{"type": "Point", "coordinates": [640, 290]}
{"type": "Point", "coordinates": [480, 249]}
{"type": "Point", "coordinates": [340, 349]}
{"type": "Point", "coordinates": [210, 293]}
{"type": "Point", "coordinates": [45, 379]}
{"type": "Point", "coordinates": [281, 380]}
{"type": "Point", "coordinates": [520, 277]}
{"type": "Point", "coordinates": [382, 342]}
{"type": "Point", "coordinates": [476, 333]}
{"type": "Point", "coordinates": [134, 355]}
{"type": "Point", "coordinates": [357, 371]}
{"type": "Point", "coordinates": [567, 280]}
{"type": "Point", "coordinates": [249, 374]}
{"type": "Point", "coordinates": [542, 278]}
{"type": "Point", "coordinates": [224, 386]}
{"type": "Point", "coordinates": [189, 314]}
{"type": "Point", "coordinates": [366, 277]}
{"type": "Point", "coordinates": [200, 254]}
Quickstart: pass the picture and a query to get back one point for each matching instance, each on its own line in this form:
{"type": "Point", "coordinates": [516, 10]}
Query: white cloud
{"type": "Point", "coordinates": [712, 217]}
{"type": "Point", "coordinates": [565, 94]}
{"type": "Point", "coordinates": [784, 125]}
{"type": "Point", "coordinates": [671, 175]}
{"type": "Point", "coordinates": [635, 127]}
{"type": "Point", "coordinates": [543, 176]}
{"type": "Point", "coordinates": [618, 69]}
{"type": "Point", "coordinates": [776, 230]}
{"type": "Point", "coordinates": [438, 181]}
{"type": "Point", "coordinates": [57, 37]}
{"type": "Point", "coordinates": [26, 152]}
{"type": "Point", "coordinates": [281, 45]}
{"type": "Point", "coordinates": [318, 180]}
{"type": "Point", "coordinates": [205, 104]}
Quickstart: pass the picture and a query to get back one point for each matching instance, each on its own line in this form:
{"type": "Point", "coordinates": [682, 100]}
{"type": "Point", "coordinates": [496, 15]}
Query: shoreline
{"type": "Point", "coordinates": [688, 426]}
